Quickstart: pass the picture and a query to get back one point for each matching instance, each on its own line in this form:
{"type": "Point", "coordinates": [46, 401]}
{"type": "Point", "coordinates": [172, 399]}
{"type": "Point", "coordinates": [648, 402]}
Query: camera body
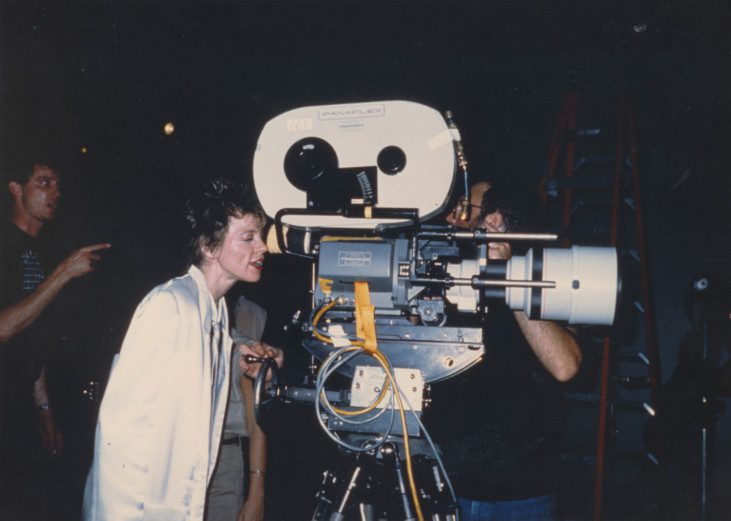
{"type": "Point", "coordinates": [351, 186]}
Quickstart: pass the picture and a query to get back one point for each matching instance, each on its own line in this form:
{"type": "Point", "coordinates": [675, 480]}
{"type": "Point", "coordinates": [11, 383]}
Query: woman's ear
{"type": "Point", "coordinates": [209, 254]}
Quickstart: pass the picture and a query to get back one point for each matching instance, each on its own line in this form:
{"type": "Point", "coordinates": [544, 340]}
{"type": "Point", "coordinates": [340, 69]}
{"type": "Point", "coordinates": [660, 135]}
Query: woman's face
{"type": "Point", "coordinates": [241, 255]}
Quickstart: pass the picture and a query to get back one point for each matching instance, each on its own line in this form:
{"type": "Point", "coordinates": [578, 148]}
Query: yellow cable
{"type": "Point", "coordinates": [365, 327]}
{"type": "Point", "coordinates": [355, 343]}
{"type": "Point", "coordinates": [407, 450]}
{"type": "Point", "coordinates": [317, 317]}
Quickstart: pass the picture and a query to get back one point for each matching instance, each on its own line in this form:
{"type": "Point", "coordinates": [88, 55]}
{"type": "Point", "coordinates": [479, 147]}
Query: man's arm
{"type": "Point", "coordinates": [21, 314]}
{"type": "Point", "coordinates": [555, 346]}
{"type": "Point", "coordinates": [253, 508]}
{"type": "Point", "coordinates": [50, 436]}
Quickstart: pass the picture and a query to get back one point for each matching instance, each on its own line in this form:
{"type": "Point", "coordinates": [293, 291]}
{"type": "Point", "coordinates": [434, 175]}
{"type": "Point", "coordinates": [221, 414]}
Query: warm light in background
{"type": "Point", "coordinates": [169, 128]}
{"type": "Point", "coordinates": [84, 150]}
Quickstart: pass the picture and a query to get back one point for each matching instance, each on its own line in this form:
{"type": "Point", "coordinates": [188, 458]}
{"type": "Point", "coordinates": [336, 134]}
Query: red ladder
{"type": "Point", "coordinates": [580, 165]}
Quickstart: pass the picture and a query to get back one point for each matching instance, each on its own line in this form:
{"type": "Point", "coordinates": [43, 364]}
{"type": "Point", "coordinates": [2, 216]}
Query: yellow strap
{"type": "Point", "coordinates": [326, 285]}
{"type": "Point", "coordinates": [365, 317]}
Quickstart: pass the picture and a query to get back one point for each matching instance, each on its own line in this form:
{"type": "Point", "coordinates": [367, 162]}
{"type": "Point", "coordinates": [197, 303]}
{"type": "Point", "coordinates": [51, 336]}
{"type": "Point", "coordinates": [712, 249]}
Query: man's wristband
{"type": "Point", "coordinates": [43, 407]}
{"type": "Point", "coordinates": [258, 472]}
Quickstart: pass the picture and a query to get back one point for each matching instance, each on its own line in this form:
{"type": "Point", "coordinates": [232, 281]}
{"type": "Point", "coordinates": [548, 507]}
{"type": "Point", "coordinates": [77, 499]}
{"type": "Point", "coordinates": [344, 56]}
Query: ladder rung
{"type": "Point", "coordinates": [630, 253]}
{"type": "Point", "coordinates": [584, 202]}
{"type": "Point", "coordinates": [633, 382]}
{"type": "Point", "coordinates": [588, 398]}
{"type": "Point", "coordinates": [594, 398]}
{"type": "Point", "coordinates": [593, 159]}
{"type": "Point", "coordinates": [634, 455]}
{"type": "Point", "coordinates": [630, 406]}
{"type": "Point", "coordinates": [578, 181]}
{"type": "Point", "coordinates": [584, 458]}
{"type": "Point", "coordinates": [588, 132]}
{"type": "Point", "coordinates": [579, 458]}
{"type": "Point", "coordinates": [637, 358]}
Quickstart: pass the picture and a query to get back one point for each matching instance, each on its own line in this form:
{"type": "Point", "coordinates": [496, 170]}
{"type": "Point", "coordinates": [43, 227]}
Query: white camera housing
{"type": "Point", "coordinates": [358, 134]}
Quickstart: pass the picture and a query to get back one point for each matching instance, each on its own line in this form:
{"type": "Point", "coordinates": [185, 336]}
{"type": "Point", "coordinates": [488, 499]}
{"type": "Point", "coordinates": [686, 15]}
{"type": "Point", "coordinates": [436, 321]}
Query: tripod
{"type": "Point", "coordinates": [372, 487]}
{"type": "Point", "coordinates": [682, 435]}
{"type": "Point", "coordinates": [706, 294]}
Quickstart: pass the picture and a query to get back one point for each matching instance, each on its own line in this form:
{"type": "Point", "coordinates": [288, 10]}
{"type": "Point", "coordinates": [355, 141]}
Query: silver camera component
{"type": "Point", "coordinates": [419, 276]}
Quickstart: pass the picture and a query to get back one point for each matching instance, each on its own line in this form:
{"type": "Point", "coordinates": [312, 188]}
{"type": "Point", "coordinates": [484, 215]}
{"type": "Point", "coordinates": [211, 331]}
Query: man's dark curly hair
{"type": "Point", "coordinates": [207, 215]}
{"type": "Point", "coordinates": [19, 167]}
{"type": "Point", "coordinates": [517, 209]}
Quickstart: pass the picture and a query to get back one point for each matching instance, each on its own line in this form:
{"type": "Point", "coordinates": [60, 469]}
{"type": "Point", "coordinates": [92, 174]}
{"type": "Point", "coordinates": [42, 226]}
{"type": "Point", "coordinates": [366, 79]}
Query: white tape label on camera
{"type": "Point", "coordinates": [439, 140]}
{"type": "Point", "coordinates": [299, 124]}
{"type": "Point", "coordinates": [354, 258]}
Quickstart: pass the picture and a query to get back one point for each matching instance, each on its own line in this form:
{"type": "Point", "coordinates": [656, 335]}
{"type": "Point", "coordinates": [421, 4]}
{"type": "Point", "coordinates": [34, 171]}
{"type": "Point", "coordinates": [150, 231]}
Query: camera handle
{"type": "Point", "coordinates": [262, 399]}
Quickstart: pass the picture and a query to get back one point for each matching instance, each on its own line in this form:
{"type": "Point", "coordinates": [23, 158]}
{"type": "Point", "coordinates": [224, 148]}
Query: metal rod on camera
{"type": "Point", "coordinates": [461, 162]}
{"type": "Point", "coordinates": [476, 282]}
{"type": "Point", "coordinates": [505, 236]}
{"type": "Point", "coordinates": [305, 394]}
{"type": "Point", "coordinates": [484, 283]}
{"type": "Point", "coordinates": [480, 235]}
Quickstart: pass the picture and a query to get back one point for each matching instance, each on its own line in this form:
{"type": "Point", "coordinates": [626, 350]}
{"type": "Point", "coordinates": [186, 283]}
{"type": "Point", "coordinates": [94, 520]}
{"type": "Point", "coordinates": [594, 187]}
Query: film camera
{"type": "Point", "coordinates": [351, 187]}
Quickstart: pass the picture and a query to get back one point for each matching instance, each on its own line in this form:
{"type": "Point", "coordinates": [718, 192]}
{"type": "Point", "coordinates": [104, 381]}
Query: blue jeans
{"type": "Point", "coordinates": [541, 508]}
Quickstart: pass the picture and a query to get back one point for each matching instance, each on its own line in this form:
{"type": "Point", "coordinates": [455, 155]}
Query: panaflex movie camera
{"type": "Point", "coordinates": [351, 187]}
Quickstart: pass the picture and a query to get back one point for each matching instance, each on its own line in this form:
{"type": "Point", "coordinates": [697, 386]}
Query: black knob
{"type": "Point", "coordinates": [391, 160]}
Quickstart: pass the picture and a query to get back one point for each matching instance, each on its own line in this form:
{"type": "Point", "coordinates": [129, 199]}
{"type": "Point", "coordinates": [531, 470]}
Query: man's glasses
{"type": "Point", "coordinates": [460, 204]}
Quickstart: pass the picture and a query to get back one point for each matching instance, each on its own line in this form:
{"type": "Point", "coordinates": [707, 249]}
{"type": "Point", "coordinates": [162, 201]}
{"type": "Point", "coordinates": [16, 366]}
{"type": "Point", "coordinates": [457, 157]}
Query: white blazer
{"type": "Point", "coordinates": [162, 413]}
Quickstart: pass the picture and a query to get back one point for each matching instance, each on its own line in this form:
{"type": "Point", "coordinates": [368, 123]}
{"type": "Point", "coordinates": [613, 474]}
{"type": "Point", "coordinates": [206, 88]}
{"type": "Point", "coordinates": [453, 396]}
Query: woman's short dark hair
{"type": "Point", "coordinates": [207, 215]}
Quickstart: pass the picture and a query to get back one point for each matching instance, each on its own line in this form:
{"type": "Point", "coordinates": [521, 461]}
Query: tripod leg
{"type": "Point", "coordinates": [402, 489]}
{"type": "Point", "coordinates": [447, 509]}
{"type": "Point", "coordinates": [339, 514]}
{"type": "Point", "coordinates": [323, 501]}
{"type": "Point", "coordinates": [366, 512]}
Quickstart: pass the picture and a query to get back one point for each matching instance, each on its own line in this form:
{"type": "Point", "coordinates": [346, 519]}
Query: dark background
{"type": "Point", "coordinates": [108, 75]}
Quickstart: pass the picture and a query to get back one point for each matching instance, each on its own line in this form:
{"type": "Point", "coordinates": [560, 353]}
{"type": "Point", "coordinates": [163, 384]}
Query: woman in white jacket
{"type": "Point", "coordinates": [162, 413]}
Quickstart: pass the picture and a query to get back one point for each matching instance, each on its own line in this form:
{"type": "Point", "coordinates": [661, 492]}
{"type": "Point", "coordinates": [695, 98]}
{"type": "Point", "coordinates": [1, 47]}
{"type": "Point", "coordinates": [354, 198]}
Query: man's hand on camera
{"type": "Point", "coordinates": [497, 250]}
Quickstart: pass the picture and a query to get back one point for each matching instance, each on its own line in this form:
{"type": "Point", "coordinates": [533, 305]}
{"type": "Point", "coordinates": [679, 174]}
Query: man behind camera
{"type": "Point", "coordinates": [498, 423]}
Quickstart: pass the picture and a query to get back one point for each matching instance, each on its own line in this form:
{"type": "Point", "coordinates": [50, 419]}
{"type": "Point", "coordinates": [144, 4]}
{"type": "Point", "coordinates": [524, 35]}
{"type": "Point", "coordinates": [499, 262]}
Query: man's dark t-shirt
{"type": "Point", "coordinates": [498, 423]}
{"type": "Point", "coordinates": [24, 261]}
